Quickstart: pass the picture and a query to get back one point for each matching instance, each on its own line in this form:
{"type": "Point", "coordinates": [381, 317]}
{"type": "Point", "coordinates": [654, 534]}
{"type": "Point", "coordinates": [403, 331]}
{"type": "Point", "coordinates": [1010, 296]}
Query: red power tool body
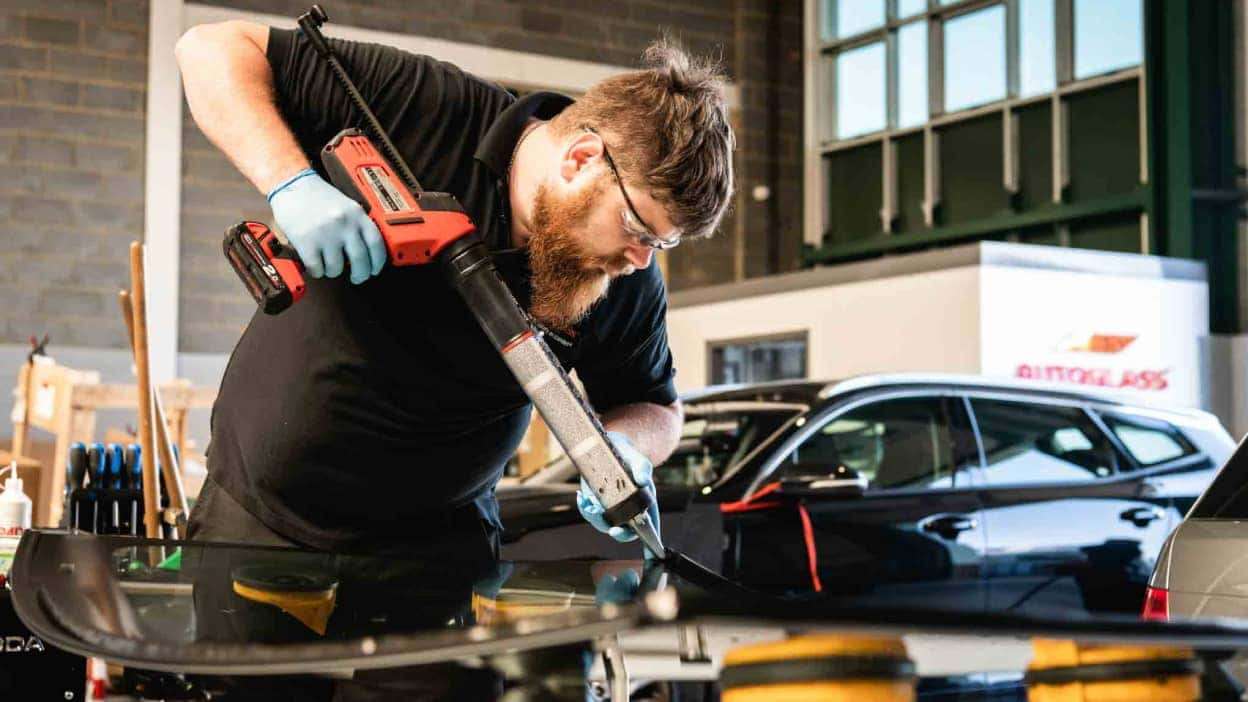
{"type": "Point", "coordinates": [415, 227]}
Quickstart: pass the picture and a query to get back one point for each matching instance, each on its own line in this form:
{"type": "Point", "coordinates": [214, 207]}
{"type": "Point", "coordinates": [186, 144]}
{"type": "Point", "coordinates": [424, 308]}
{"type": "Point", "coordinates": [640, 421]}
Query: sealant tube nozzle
{"type": "Point", "coordinates": [648, 534]}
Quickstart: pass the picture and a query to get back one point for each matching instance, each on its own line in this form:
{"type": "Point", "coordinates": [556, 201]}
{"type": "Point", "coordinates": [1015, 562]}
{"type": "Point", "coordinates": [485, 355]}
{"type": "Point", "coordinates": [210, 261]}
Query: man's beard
{"type": "Point", "coordinates": [567, 281]}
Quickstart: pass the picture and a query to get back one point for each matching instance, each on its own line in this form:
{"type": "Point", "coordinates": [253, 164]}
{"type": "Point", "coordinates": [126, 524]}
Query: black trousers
{"type": "Point", "coordinates": [221, 616]}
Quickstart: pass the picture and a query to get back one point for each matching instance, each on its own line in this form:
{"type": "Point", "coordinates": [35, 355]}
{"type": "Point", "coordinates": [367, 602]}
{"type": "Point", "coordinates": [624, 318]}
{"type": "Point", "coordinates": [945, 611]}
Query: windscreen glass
{"type": "Point", "coordinates": [221, 594]}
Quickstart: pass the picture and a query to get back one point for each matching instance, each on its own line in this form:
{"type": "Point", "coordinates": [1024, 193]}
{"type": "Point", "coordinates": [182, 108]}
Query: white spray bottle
{"type": "Point", "coordinates": [15, 506]}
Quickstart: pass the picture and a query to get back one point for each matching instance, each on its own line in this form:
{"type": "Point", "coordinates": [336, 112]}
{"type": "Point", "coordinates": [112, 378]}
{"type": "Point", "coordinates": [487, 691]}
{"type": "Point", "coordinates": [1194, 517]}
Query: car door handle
{"type": "Point", "coordinates": [1142, 516]}
{"type": "Point", "coordinates": [948, 526]}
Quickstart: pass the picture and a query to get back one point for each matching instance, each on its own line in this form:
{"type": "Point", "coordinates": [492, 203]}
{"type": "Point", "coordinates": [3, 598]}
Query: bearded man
{"type": "Point", "coordinates": [376, 410]}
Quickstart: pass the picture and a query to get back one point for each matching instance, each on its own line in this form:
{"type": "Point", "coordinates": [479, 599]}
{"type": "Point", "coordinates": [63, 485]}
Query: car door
{"type": "Point", "coordinates": [912, 538]}
{"type": "Point", "coordinates": [1069, 527]}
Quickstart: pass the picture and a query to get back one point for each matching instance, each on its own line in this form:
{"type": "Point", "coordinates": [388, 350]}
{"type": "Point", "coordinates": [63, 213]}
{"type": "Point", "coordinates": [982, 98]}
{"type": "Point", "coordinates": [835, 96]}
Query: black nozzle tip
{"type": "Point", "coordinates": [317, 15]}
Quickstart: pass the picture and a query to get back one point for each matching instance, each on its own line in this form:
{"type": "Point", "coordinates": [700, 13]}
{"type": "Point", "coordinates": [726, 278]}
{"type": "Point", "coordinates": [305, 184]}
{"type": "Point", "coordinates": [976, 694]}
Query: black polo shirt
{"type": "Point", "coordinates": [362, 410]}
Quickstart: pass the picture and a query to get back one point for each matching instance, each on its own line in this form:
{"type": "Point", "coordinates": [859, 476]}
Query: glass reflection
{"type": "Point", "coordinates": [243, 595]}
{"type": "Point", "coordinates": [905, 8]}
{"type": "Point", "coordinates": [1109, 35]}
{"type": "Point", "coordinates": [860, 91]}
{"type": "Point", "coordinates": [855, 16]}
{"type": "Point", "coordinates": [912, 75]}
{"type": "Point", "coordinates": [1037, 53]}
{"type": "Point", "coordinates": [975, 59]}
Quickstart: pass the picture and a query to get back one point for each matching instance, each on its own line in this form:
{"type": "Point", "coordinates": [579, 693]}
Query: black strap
{"type": "Point", "coordinates": [830, 668]}
{"type": "Point", "coordinates": [1110, 672]}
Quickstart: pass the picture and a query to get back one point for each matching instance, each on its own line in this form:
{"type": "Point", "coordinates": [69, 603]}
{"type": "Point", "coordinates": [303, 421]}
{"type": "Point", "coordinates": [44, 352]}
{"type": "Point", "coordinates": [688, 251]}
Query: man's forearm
{"type": "Point", "coordinates": [653, 429]}
{"type": "Point", "coordinates": [229, 87]}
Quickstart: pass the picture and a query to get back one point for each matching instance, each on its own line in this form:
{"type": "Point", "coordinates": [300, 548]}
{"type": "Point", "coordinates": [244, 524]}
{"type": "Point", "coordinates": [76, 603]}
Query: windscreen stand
{"type": "Point", "coordinates": [613, 666]}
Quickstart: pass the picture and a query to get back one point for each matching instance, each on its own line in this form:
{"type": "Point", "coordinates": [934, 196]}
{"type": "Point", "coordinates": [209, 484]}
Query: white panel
{"type": "Point", "coordinates": [162, 198]}
{"type": "Point", "coordinates": [920, 322]}
{"type": "Point", "coordinates": [1137, 337]}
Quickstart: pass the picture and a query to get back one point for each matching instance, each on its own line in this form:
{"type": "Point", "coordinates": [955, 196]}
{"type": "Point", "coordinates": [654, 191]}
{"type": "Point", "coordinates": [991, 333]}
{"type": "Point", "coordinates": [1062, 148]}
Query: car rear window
{"type": "Point", "coordinates": [1149, 442]}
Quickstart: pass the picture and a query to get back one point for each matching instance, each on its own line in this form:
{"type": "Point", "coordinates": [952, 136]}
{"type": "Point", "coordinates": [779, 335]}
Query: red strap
{"type": "Point", "coordinates": [808, 534]}
{"type": "Point", "coordinates": [808, 531]}
{"type": "Point", "coordinates": [749, 504]}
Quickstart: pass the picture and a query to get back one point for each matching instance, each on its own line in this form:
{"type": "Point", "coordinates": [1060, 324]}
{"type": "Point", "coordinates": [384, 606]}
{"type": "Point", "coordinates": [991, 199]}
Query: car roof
{"type": "Point", "coordinates": [804, 392]}
{"type": "Point", "coordinates": [812, 392]}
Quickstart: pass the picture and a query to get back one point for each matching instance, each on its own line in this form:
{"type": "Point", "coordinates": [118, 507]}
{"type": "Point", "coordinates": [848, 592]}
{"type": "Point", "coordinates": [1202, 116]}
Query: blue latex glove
{"type": "Point", "coordinates": [323, 225]}
{"type": "Point", "coordinates": [643, 474]}
{"type": "Point", "coordinates": [616, 589]}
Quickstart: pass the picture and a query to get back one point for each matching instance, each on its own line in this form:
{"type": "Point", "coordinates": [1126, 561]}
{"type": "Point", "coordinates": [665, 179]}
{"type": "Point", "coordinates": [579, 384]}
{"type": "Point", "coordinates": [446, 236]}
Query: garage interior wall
{"type": "Point", "coordinates": [73, 87]}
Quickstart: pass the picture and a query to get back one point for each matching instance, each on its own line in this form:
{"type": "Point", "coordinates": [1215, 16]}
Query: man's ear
{"type": "Point", "coordinates": [579, 155]}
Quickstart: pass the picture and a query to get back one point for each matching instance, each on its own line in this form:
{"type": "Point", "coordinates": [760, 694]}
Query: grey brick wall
{"type": "Point", "coordinates": [72, 81]}
{"type": "Point", "coordinates": [214, 308]}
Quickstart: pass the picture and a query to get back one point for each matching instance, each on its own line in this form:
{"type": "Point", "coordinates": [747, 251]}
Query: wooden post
{"type": "Point", "coordinates": [21, 428]}
{"type": "Point", "coordinates": [151, 485]}
{"type": "Point", "coordinates": [168, 463]}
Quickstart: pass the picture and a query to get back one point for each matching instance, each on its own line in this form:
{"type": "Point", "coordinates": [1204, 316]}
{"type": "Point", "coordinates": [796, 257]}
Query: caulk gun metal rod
{"type": "Point", "coordinates": [309, 26]}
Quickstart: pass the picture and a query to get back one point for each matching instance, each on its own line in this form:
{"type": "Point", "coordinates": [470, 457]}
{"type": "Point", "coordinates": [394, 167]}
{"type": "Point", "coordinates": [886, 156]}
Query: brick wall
{"type": "Point", "coordinates": [213, 307]}
{"type": "Point", "coordinates": [72, 76]}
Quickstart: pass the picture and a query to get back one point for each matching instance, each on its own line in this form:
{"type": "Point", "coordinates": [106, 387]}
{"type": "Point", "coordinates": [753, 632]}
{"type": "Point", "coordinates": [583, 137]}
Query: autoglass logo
{"type": "Point", "coordinates": [1101, 373]}
{"type": "Point", "coordinates": [1096, 343]}
{"type": "Point", "coordinates": [1154, 380]}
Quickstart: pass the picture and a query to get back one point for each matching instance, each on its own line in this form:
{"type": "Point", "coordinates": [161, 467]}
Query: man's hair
{"type": "Point", "coordinates": [667, 129]}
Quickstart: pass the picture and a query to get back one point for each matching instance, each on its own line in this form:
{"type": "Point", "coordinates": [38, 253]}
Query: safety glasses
{"type": "Point", "coordinates": [633, 222]}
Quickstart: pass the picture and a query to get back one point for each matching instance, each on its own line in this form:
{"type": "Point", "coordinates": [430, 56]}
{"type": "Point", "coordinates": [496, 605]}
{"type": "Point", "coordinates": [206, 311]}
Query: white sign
{"type": "Point", "coordinates": [1131, 336]}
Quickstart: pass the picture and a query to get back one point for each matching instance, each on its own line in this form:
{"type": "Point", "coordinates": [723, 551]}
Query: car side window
{"type": "Point", "coordinates": [1026, 443]}
{"type": "Point", "coordinates": [898, 443]}
{"type": "Point", "coordinates": [1149, 442]}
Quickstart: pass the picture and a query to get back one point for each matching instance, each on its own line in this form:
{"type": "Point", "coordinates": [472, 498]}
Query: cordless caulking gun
{"type": "Point", "coordinates": [421, 227]}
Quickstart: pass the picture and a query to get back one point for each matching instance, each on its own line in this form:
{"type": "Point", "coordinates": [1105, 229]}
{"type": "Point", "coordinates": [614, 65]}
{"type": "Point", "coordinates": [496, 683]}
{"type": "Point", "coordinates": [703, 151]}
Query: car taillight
{"type": "Point", "coordinates": [1156, 605]}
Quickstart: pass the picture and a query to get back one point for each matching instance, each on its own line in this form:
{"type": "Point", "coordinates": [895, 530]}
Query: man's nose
{"type": "Point", "coordinates": [639, 256]}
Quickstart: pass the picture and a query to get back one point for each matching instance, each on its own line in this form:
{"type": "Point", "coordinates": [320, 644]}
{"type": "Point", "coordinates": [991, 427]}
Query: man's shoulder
{"type": "Point", "coordinates": [396, 64]}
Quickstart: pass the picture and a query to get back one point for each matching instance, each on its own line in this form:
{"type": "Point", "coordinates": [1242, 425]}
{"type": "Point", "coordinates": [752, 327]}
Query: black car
{"type": "Point", "coordinates": [960, 490]}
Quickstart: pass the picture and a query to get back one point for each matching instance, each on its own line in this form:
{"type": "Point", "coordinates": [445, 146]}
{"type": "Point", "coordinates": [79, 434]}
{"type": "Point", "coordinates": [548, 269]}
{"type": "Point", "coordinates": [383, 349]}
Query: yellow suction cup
{"type": "Point", "coordinates": [1065, 671]}
{"type": "Point", "coordinates": [308, 597]}
{"type": "Point", "coordinates": [821, 668]}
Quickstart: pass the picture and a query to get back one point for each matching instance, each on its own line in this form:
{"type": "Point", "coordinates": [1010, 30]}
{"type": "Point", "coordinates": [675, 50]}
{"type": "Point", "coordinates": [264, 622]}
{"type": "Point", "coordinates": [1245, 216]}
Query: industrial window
{"type": "Point", "coordinates": [905, 8]}
{"type": "Point", "coordinates": [1036, 48]}
{"type": "Point", "coordinates": [912, 74]}
{"type": "Point", "coordinates": [845, 18]}
{"type": "Point", "coordinates": [985, 118]}
{"type": "Point", "coordinates": [860, 99]}
{"type": "Point", "coordinates": [1109, 35]}
{"type": "Point", "coordinates": [975, 58]}
{"type": "Point", "coordinates": [758, 360]}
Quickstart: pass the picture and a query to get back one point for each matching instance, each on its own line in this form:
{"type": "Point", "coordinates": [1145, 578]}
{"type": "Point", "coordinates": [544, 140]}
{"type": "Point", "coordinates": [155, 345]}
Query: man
{"type": "Point", "coordinates": [375, 411]}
